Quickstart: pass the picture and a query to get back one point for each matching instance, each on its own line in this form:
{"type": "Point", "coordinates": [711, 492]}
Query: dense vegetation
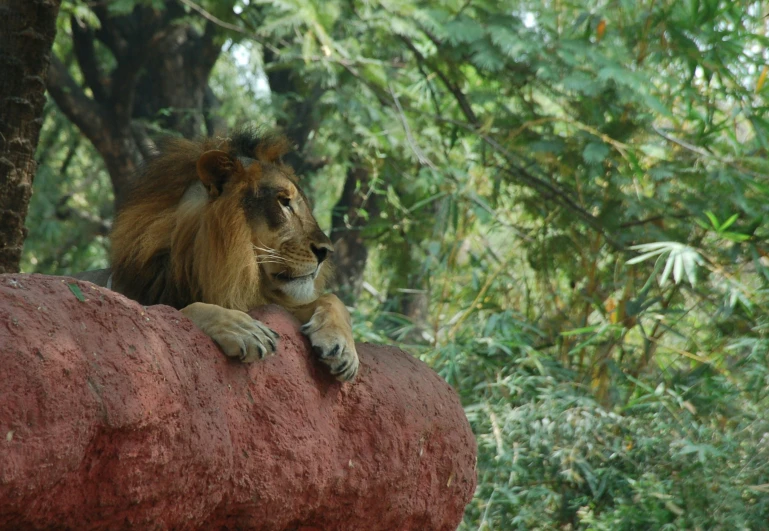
{"type": "Point", "coordinates": [561, 207]}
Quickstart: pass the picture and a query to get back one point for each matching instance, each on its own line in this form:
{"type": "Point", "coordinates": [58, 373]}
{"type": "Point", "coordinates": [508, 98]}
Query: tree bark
{"type": "Point", "coordinates": [27, 31]}
{"type": "Point", "coordinates": [176, 82]}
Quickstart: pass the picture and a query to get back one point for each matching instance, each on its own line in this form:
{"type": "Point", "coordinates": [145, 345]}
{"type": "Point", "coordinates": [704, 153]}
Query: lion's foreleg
{"type": "Point", "coordinates": [328, 326]}
{"type": "Point", "coordinates": [238, 335]}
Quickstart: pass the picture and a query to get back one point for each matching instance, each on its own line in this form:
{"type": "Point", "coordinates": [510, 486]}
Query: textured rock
{"type": "Point", "coordinates": [115, 416]}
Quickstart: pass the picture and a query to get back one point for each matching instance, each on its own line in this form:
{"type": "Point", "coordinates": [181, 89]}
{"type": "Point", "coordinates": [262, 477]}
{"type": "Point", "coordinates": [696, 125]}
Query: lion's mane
{"type": "Point", "coordinates": [172, 244]}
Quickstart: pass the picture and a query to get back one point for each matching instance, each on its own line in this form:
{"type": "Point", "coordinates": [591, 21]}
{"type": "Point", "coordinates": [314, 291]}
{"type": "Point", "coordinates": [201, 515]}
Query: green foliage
{"type": "Point", "coordinates": [576, 193]}
{"type": "Point", "coordinates": [69, 213]}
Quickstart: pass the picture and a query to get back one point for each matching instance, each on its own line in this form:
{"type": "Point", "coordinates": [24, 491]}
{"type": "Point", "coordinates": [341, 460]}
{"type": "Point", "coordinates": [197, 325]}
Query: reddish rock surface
{"type": "Point", "coordinates": [115, 416]}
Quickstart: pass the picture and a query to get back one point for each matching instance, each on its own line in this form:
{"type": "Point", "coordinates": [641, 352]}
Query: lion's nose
{"type": "Point", "coordinates": [321, 251]}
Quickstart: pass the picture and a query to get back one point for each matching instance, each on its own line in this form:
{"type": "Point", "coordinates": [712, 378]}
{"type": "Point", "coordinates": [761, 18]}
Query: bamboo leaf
{"type": "Point", "coordinates": [75, 289]}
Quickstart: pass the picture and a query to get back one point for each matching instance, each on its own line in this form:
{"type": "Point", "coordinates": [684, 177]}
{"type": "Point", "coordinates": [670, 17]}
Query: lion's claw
{"type": "Point", "coordinates": [245, 338]}
{"type": "Point", "coordinates": [236, 333]}
{"type": "Point", "coordinates": [334, 346]}
{"type": "Point", "coordinates": [334, 352]}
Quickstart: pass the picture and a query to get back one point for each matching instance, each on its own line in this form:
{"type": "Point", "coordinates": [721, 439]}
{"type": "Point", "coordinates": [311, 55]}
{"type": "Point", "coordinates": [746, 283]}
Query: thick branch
{"type": "Point", "coordinates": [83, 45]}
{"type": "Point", "coordinates": [161, 63]}
{"type": "Point", "coordinates": [147, 147]}
{"type": "Point", "coordinates": [123, 91]}
{"type": "Point", "coordinates": [107, 33]}
{"type": "Point", "coordinates": [118, 150]}
{"type": "Point", "coordinates": [95, 224]}
{"type": "Point", "coordinates": [208, 47]}
{"type": "Point", "coordinates": [147, 27]}
{"type": "Point", "coordinates": [82, 111]}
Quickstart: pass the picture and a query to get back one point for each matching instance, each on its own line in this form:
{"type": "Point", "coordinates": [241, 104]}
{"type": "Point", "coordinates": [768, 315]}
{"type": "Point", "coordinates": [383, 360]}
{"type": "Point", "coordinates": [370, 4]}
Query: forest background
{"type": "Point", "coordinates": [561, 206]}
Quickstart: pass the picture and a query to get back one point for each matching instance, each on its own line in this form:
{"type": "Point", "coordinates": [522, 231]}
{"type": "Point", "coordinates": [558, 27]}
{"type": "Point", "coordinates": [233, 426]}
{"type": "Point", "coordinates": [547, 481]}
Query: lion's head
{"type": "Point", "coordinates": [222, 221]}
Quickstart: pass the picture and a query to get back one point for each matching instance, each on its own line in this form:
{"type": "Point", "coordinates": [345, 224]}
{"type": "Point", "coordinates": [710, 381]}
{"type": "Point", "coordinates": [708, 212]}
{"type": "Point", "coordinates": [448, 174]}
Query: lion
{"type": "Point", "coordinates": [217, 227]}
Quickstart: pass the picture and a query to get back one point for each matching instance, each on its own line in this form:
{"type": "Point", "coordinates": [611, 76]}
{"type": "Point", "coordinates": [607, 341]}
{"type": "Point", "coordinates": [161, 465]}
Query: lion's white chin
{"type": "Point", "coordinates": [301, 290]}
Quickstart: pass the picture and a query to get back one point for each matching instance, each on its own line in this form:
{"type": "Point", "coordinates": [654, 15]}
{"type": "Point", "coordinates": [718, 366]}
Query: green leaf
{"type": "Point", "coordinates": [595, 152]}
{"type": "Point", "coordinates": [644, 257]}
{"type": "Point", "coordinates": [713, 219]}
{"type": "Point", "coordinates": [464, 30]}
{"type": "Point", "coordinates": [507, 41]}
{"type": "Point", "coordinates": [74, 288]}
{"type": "Point", "coordinates": [728, 223]}
{"type": "Point", "coordinates": [419, 204]}
{"type": "Point", "coordinates": [668, 269]}
{"type": "Point", "coordinates": [486, 57]}
{"type": "Point", "coordinates": [735, 236]}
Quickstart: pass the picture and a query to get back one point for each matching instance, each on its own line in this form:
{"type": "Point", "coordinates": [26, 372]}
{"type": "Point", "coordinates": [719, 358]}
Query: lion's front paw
{"type": "Point", "coordinates": [238, 334]}
{"type": "Point", "coordinates": [334, 344]}
{"type": "Point", "coordinates": [245, 338]}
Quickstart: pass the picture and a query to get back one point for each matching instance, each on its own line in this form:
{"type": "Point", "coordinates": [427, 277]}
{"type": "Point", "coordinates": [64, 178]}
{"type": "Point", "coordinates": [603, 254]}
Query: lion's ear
{"type": "Point", "coordinates": [215, 168]}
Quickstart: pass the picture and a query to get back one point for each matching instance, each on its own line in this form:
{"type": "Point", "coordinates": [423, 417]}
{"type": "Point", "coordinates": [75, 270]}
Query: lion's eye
{"type": "Point", "coordinates": [285, 202]}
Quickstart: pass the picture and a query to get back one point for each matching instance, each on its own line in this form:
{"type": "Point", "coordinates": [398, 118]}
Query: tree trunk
{"type": "Point", "coordinates": [350, 252]}
{"type": "Point", "coordinates": [27, 30]}
{"type": "Point", "coordinates": [176, 81]}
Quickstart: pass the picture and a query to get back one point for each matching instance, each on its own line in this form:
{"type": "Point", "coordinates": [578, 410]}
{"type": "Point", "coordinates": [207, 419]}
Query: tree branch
{"type": "Point", "coordinates": [82, 111]}
{"type": "Point", "coordinates": [467, 110]}
{"type": "Point", "coordinates": [219, 22]}
{"type": "Point", "coordinates": [145, 24]}
{"type": "Point", "coordinates": [82, 40]}
{"type": "Point", "coordinates": [91, 118]}
{"type": "Point", "coordinates": [144, 143]}
{"type": "Point", "coordinates": [208, 46]}
{"type": "Point", "coordinates": [95, 224]}
{"type": "Point", "coordinates": [108, 32]}
{"type": "Point", "coordinates": [203, 50]}
{"type": "Point", "coordinates": [211, 105]}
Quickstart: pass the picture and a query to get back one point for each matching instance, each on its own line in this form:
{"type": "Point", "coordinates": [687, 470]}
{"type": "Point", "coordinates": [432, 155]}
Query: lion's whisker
{"type": "Point", "coordinates": [275, 258]}
{"type": "Point", "coordinates": [264, 247]}
{"type": "Point", "coordinates": [271, 253]}
{"type": "Point", "coordinates": [268, 251]}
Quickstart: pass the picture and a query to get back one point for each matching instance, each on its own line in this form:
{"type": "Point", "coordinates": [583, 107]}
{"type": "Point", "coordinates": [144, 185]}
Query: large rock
{"type": "Point", "coordinates": [116, 416]}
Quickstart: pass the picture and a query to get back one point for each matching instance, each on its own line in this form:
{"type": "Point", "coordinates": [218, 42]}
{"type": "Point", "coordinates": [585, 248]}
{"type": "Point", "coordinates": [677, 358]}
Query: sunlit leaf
{"type": "Point", "coordinates": [713, 219]}
{"type": "Point", "coordinates": [762, 78]}
{"type": "Point", "coordinates": [681, 260]}
{"type": "Point", "coordinates": [728, 223]}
